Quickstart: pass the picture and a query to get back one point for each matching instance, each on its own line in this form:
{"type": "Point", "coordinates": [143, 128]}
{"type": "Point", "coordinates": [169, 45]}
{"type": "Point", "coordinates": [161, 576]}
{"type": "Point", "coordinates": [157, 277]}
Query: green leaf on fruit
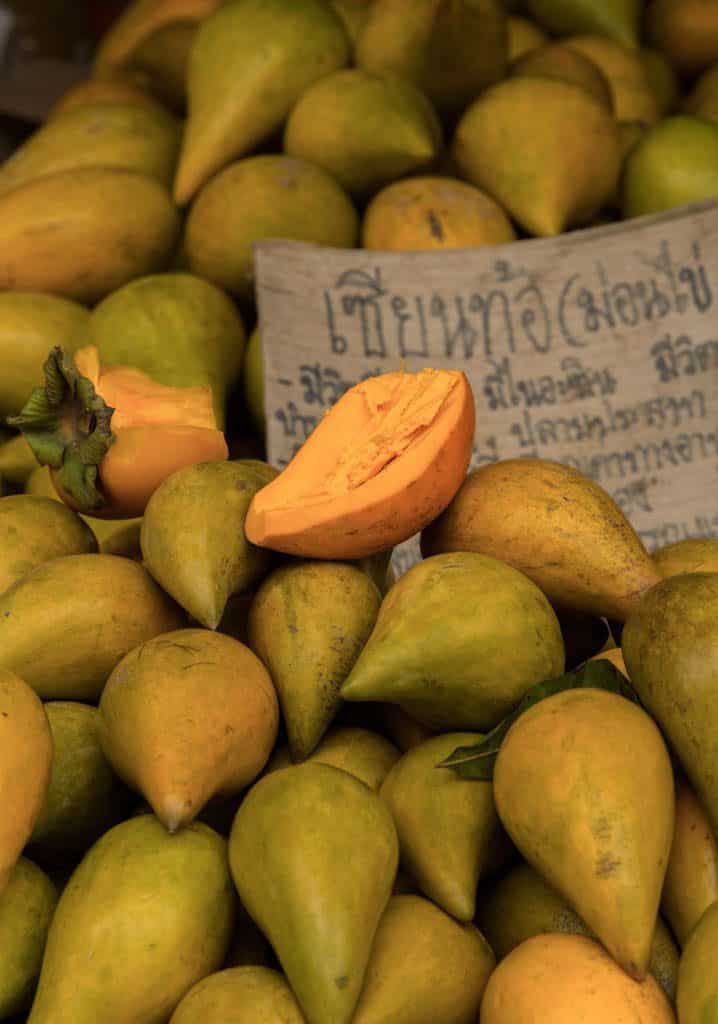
{"type": "Point", "coordinates": [477, 761]}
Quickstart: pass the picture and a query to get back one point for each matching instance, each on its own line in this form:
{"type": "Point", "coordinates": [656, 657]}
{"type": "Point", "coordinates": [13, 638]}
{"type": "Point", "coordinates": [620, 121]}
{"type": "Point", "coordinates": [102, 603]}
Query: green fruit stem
{"type": "Point", "coordinates": [67, 425]}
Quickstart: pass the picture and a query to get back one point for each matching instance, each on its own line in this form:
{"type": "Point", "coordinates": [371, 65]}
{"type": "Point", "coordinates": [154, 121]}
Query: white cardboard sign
{"type": "Point", "coordinates": [598, 348]}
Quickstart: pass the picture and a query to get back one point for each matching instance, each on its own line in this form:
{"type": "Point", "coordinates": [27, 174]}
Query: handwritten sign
{"type": "Point", "coordinates": [598, 348]}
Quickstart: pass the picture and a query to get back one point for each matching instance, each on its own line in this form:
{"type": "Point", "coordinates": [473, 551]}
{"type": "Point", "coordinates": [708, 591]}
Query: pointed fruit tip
{"type": "Point", "coordinates": [347, 691]}
{"type": "Point", "coordinates": [366, 685]}
{"type": "Point", "coordinates": [172, 823]}
{"type": "Point", "coordinates": [301, 747]}
{"type": "Point", "coordinates": [208, 621]}
{"type": "Point", "coordinates": [206, 609]}
{"type": "Point", "coordinates": [174, 813]}
{"type": "Point", "coordinates": [461, 906]}
{"type": "Point", "coordinates": [634, 971]}
{"type": "Point", "coordinates": [423, 148]}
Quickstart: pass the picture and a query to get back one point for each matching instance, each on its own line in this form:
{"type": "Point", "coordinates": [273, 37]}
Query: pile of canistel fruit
{"type": "Point", "coordinates": [248, 775]}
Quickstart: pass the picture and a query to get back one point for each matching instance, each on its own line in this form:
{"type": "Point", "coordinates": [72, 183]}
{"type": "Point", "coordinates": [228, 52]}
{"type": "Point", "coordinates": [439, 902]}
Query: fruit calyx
{"type": "Point", "coordinates": [67, 425]}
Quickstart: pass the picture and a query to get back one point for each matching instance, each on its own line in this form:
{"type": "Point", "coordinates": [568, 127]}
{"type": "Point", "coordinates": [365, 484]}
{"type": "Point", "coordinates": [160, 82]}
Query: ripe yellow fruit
{"type": "Point", "coordinates": [84, 233]}
{"type": "Point", "coordinates": [566, 65]}
{"type": "Point", "coordinates": [695, 554]}
{"type": "Point", "coordinates": [266, 196]}
{"type": "Point", "coordinates": [546, 150]}
{"type": "Point", "coordinates": [676, 162]}
{"type": "Point", "coordinates": [451, 51]}
{"type": "Point", "coordinates": [633, 97]}
{"type": "Point", "coordinates": [366, 129]}
{"type": "Point", "coordinates": [250, 63]}
{"type": "Point", "coordinates": [105, 134]}
{"type": "Point", "coordinates": [602, 844]}
{"type": "Point", "coordinates": [25, 759]}
{"type": "Point", "coordinates": [433, 213]}
{"type": "Point", "coordinates": [568, 978]}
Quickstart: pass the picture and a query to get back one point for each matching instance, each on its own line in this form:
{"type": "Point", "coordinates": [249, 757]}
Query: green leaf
{"type": "Point", "coordinates": [478, 760]}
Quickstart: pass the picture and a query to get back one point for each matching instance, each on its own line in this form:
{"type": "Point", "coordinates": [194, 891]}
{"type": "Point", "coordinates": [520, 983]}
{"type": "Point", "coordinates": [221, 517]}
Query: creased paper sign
{"type": "Point", "coordinates": [598, 348]}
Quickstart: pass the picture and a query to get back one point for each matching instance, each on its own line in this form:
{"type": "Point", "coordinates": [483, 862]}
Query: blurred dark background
{"type": "Point", "coordinates": [45, 46]}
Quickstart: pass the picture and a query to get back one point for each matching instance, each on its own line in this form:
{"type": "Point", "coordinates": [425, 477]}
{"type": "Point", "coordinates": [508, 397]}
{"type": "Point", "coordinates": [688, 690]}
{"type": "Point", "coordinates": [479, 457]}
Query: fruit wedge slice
{"type": "Point", "coordinates": [384, 462]}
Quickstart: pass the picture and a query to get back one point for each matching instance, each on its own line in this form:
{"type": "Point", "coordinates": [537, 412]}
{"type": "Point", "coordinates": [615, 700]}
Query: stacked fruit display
{"type": "Point", "coordinates": [246, 775]}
